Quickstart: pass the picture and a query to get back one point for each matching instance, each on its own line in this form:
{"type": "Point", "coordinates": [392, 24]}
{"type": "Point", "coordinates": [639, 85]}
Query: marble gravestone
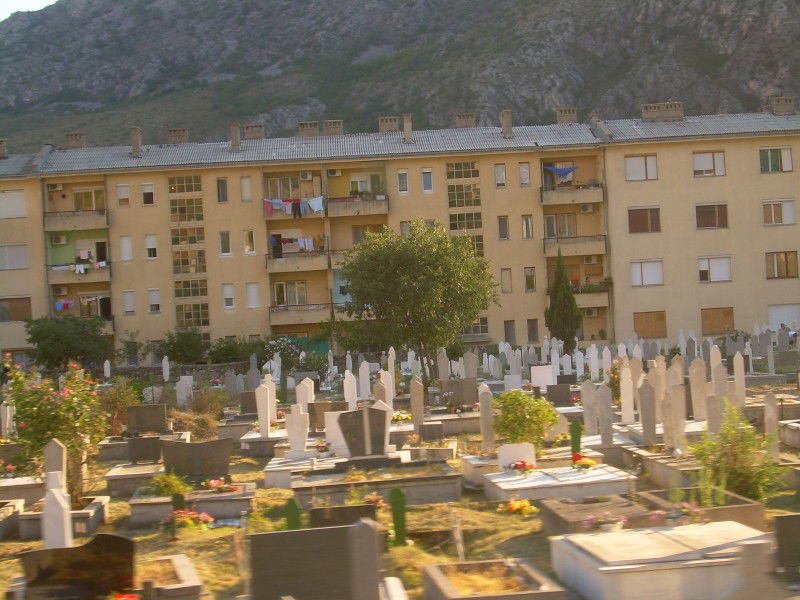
{"type": "Point", "coordinates": [350, 390]}
{"type": "Point", "coordinates": [148, 418]}
{"type": "Point", "coordinates": [197, 461]}
{"type": "Point", "coordinates": [487, 417]}
{"type": "Point", "coordinates": [417, 390]}
{"type": "Point", "coordinates": [247, 403]}
{"type": "Point", "coordinates": [56, 513]}
{"type": "Point", "coordinates": [363, 381]}
{"type": "Point", "coordinates": [364, 431]}
{"type": "Point", "coordinates": [297, 424]}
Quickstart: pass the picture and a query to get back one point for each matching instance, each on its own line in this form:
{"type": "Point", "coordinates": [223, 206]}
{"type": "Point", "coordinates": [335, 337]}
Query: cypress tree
{"type": "Point", "coordinates": [562, 317]}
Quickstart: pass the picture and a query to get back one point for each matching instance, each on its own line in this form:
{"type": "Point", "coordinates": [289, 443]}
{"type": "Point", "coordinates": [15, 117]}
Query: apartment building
{"type": "Point", "coordinates": [245, 237]}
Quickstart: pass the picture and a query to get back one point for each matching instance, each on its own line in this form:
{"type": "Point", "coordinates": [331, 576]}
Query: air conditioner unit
{"type": "Point", "coordinates": [334, 173]}
{"type": "Point", "coordinates": [306, 176]}
{"type": "Point", "coordinates": [587, 208]}
{"type": "Point", "coordinates": [591, 260]}
{"type": "Point", "coordinates": [62, 290]}
{"type": "Point", "coordinates": [591, 312]}
{"type": "Point", "coordinates": [58, 240]}
{"type": "Point", "coordinates": [54, 187]}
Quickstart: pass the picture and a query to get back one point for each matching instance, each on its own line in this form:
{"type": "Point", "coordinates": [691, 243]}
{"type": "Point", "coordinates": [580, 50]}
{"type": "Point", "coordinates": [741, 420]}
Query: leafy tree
{"type": "Point", "coordinates": [314, 361]}
{"type": "Point", "coordinates": [424, 288]}
{"type": "Point", "coordinates": [224, 350]}
{"type": "Point", "coordinates": [365, 336]}
{"type": "Point", "coordinates": [523, 418]}
{"type": "Point", "coordinates": [73, 415]}
{"type": "Point", "coordinates": [184, 345]}
{"type": "Point", "coordinates": [116, 399]}
{"type": "Point", "coordinates": [131, 350]}
{"type": "Point", "coordinates": [58, 340]}
{"type": "Point", "coordinates": [289, 351]}
{"type": "Point", "coordinates": [562, 317]}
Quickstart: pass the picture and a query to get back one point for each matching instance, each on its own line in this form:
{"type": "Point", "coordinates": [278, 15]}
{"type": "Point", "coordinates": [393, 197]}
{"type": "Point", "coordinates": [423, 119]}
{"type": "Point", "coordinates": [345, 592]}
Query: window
{"type": "Point", "coordinates": [527, 227]}
{"type": "Point", "coordinates": [188, 288]}
{"type": "Point", "coordinates": [533, 330]}
{"type": "Point", "coordinates": [360, 231]}
{"type": "Point", "coordinates": [124, 195]}
{"type": "Point", "coordinates": [291, 293]}
{"type": "Point", "coordinates": [505, 281]}
{"type": "Point", "coordinates": [462, 170]}
{"type": "Point", "coordinates": [776, 160]}
{"type": "Point", "coordinates": [477, 244]}
{"type": "Point", "coordinates": [245, 189]}
{"type": "Point", "coordinates": [182, 236]}
{"type": "Point", "coordinates": [188, 261]}
{"type": "Point", "coordinates": [150, 246]}
{"type": "Point", "coordinates": [644, 220]}
{"type": "Point", "coordinates": [14, 309]}
{"type": "Point", "coordinates": [650, 324]}
{"type": "Point", "coordinates": [222, 190]}
{"type": "Point", "coordinates": [714, 268]}
{"type": "Point", "coordinates": [716, 321]}
{"type": "Point", "coordinates": [479, 327]}
{"type": "Point", "coordinates": [640, 168]}
{"type": "Point", "coordinates": [524, 174]}
{"type": "Point", "coordinates": [13, 257]}
{"type": "Point", "coordinates": [509, 332]}
{"type": "Point", "coordinates": [89, 199]}
{"type": "Point", "coordinates": [252, 295]}
{"type": "Point", "coordinates": [284, 186]}
{"type": "Point", "coordinates": [128, 304]}
{"type": "Point", "coordinates": [427, 180]}
{"type": "Point", "coordinates": [153, 300]}
{"type": "Point", "coordinates": [186, 209]}
{"type": "Point", "coordinates": [560, 226]}
{"type": "Point", "coordinates": [402, 181]}
{"type": "Point", "coordinates": [502, 226]}
{"type": "Point", "coordinates": [225, 243]}
{"type": "Point", "coordinates": [148, 194]}
{"type": "Point", "coordinates": [405, 227]}
{"type": "Point", "coordinates": [249, 241]}
{"type": "Point", "coordinates": [227, 295]}
{"type": "Point", "coordinates": [463, 194]}
{"type": "Point", "coordinates": [708, 164]}
{"type": "Point", "coordinates": [712, 216]}
{"type": "Point", "coordinates": [781, 265]}
{"type": "Point", "coordinates": [125, 248]}
{"type": "Point", "coordinates": [778, 212]}
{"type": "Point", "coordinates": [465, 221]}
{"type": "Point", "coordinates": [93, 305]}
{"type": "Point", "coordinates": [184, 183]}
{"type": "Point", "coordinates": [530, 279]}
{"type": "Point", "coordinates": [647, 272]}
{"type": "Point", "coordinates": [191, 315]}
{"type": "Point", "coordinates": [12, 204]}
{"type": "Point", "coordinates": [500, 176]}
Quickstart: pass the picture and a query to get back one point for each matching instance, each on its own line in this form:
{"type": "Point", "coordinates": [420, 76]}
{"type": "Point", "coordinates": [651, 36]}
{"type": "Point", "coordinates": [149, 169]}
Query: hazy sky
{"type": "Point", "coordinates": [11, 6]}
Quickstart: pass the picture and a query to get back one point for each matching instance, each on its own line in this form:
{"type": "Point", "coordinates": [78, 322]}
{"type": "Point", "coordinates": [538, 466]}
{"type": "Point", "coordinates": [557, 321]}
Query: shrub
{"type": "Point", "coordinates": [225, 350]}
{"type": "Point", "coordinates": [739, 457]}
{"type": "Point", "coordinates": [314, 361]}
{"type": "Point", "coordinates": [524, 418]}
{"type": "Point", "coordinates": [116, 400]}
{"type": "Point", "coordinates": [202, 427]}
{"type": "Point", "coordinates": [58, 340]}
{"type": "Point", "coordinates": [289, 351]}
{"type": "Point", "coordinates": [183, 345]}
{"type": "Point", "coordinates": [167, 484]}
{"type": "Point", "coordinates": [206, 401]}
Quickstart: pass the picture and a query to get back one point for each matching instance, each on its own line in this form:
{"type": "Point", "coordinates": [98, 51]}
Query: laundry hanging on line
{"type": "Point", "coordinates": [562, 172]}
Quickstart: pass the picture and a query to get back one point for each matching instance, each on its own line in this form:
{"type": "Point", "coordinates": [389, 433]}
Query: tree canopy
{"type": "Point", "coordinates": [562, 317]}
{"type": "Point", "coordinates": [423, 288]}
{"type": "Point", "coordinates": [58, 340]}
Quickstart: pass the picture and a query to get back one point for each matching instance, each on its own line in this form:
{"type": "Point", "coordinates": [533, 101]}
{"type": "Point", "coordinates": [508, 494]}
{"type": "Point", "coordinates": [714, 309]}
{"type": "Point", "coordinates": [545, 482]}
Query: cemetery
{"type": "Point", "coordinates": [511, 472]}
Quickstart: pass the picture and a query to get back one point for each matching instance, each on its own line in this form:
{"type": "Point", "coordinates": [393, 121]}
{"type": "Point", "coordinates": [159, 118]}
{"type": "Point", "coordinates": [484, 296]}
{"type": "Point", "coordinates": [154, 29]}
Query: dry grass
{"type": "Point", "coordinates": [160, 572]}
{"type": "Point", "coordinates": [488, 579]}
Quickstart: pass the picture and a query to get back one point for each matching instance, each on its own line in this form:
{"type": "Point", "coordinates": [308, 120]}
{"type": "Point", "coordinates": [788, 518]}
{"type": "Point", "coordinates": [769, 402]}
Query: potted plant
{"type": "Point", "coordinates": [520, 467]}
{"type": "Point", "coordinates": [219, 486]}
{"type": "Point", "coordinates": [579, 461]}
{"type": "Point", "coordinates": [187, 519]}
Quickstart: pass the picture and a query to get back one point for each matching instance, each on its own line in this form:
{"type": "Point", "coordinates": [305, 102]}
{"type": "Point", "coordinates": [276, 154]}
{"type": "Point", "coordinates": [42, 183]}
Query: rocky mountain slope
{"type": "Point", "coordinates": [102, 65]}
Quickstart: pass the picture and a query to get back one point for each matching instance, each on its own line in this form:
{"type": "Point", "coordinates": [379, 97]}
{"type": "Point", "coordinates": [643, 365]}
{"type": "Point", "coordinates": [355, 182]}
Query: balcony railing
{"type": "Point", "coordinates": [360, 205]}
{"type": "Point", "coordinates": [292, 314]}
{"type": "Point", "coordinates": [78, 273]}
{"type": "Point", "coordinates": [73, 220]}
{"type": "Point", "coordinates": [572, 194]}
{"type": "Point", "coordinates": [290, 262]}
{"type": "Point", "coordinates": [575, 246]}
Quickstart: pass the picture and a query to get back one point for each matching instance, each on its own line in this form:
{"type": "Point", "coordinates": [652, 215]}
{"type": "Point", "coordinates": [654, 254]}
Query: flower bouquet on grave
{"type": "Point", "coordinates": [614, 382]}
{"type": "Point", "coordinates": [321, 446]}
{"type": "Point", "coordinates": [219, 486]}
{"type": "Point", "coordinates": [516, 506]}
{"type": "Point", "coordinates": [576, 401]}
{"type": "Point", "coordinates": [681, 513]}
{"type": "Point", "coordinates": [187, 519]}
{"type": "Point", "coordinates": [605, 522]}
{"type": "Point", "coordinates": [401, 416]}
{"type": "Point", "coordinates": [579, 461]}
{"type": "Point", "coordinates": [520, 467]}
{"type": "Point", "coordinates": [7, 470]}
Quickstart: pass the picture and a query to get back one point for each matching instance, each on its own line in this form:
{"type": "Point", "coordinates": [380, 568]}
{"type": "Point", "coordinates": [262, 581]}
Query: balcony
{"type": "Point", "coordinates": [74, 220]}
{"type": "Point", "coordinates": [70, 274]}
{"type": "Point", "coordinates": [298, 314]}
{"type": "Point", "coordinates": [354, 206]}
{"type": "Point", "coordinates": [573, 194]}
{"type": "Point", "coordinates": [575, 246]}
{"type": "Point", "coordinates": [298, 261]}
{"type": "Point", "coordinates": [592, 300]}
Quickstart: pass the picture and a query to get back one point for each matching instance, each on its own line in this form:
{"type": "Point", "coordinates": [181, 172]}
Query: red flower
{"type": "Point", "coordinates": [22, 424]}
{"type": "Point", "coordinates": [11, 468]}
{"type": "Point", "coordinates": [576, 456]}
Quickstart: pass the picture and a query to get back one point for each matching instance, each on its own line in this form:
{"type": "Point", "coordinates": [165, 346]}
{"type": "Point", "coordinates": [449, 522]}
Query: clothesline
{"type": "Point", "coordinates": [80, 268]}
{"type": "Point", "coordinates": [562, 172]}
{"type": "Point", "coordinates": [297, 207]}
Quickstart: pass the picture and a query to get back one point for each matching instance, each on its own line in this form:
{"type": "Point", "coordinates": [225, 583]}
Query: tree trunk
{"type": "Point", "coordinates": [75, 462]}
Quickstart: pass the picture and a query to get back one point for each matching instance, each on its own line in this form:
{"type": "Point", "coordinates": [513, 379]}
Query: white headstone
{"type": "Point", "coordinates": [566, 364]}
{"type": "Point", "coordinates": [622, 351]}
{"type": "Point", "coordinates": [542, 376]}
{"type": "Point", "coordinates": [716, 356]}
{"type": "Point", "coordinates": [738, 379]}
{"type": "Point", "coordinates": [637, 352]}
{"type": "Point", "coordinates": [606, 362]}
{"type": "Point", "coordinates": [297, 431]}
{"type": "Point", "coordinates": [590, 412]}
{"type": "Point", "coordinates": [771, 424]}
{"type": "Point", "coordinates": [594, 363]}
{"type": "Point", "coordinates": [265, 401]}
{"type": "Point", "coordinates": [389, 412]}
{"type": "Point", "coordinates": [579, 363]}
{"type": "Point", "coordinates": [387, 379]}
{"type": "Point", "coordinates": [487, 417]}
{"type": "Point", "coordinates": [391, 358]}
{"type": "Point", "coordinates": [304, 392]}
{"type": "Point", "coordinates": [626, 395]}
{"type": "Point", "coordinates": [363, 381]}
{"type": "Point", "coordinates": [183, 391]}
{"type": "Point", "coordinates": [511, 453]}
{"type": "Point", "coordinates": [107, 369]}
{"type": "Point", "coordinates": [348, 362]}
{"type": "Point", "coordinates": [770, 359]}
{"type": "Point", "coordinates": [470, 365]}
{"type": "Point", "coordinates": [350, 388]}
{"type": "Point", "coordinates": [697, 388]}
{"type": "Point", "coordinates": [495, 368]}
{"type": "Point", "coordinates": [555, 363]}
{"type": "Point", "coordinates": [417, 391]}
{"type": "Point", "coordinates": [165, 368]}
{"type": "Point", "coordinates": [56, 514]}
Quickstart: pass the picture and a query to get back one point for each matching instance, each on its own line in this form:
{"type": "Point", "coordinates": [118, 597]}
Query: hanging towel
{"type": "Point", "coordinates": [301, 243]}
{"type": "Point", "coordinates": [310, 244]}
{"type": "Point", "coordinates": [267, 208]}
{"type": "Point", "coordinates": [561, 172]}
{"type": "Point", "coordinates": [316, 204]}
{"type": "Point", "coordinates": [59, 305]}
{"type": "Point", "coordinates": [80, 269]}
{"type": "Point", "coordinates": [296, 211]}
{"type": "Point", "coordinates": [101, 265]}
{"type": "Point", "coordinates": [304, 207]}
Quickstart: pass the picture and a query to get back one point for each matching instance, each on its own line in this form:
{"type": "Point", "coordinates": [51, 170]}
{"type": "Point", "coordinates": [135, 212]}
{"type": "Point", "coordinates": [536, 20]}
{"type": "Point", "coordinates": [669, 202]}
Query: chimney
{"type": "Point", "coordinates": [566, 114]}
{"type": "Point", "coordinates": [254, 131]}
{"type": "Point", "coordinates": [466, 119]}
{"type": "Point", "coordinates": [177, 135]}
{"type": "Point", "coordinates": [136, 142]}
{"type": "Point", "coordinates": [505, 123]}
{"type": "Point", "coordinates": [783, 105]}
{"type": "Point", "coordinates": [408, 129]}
{"type": "Point", "coordinates": [308, 128]}
{"type": "Point", "coordinates": [236, 137]}
{"type": "Point", "coordinates": [662, 111]}
{"type": "Point", "coordinates": [76, 139]}
{"type": "Point", "coordinates": [3, 149]}
{"type": "Point", "coordinates": [387, 124]}
{"type": "Point", "coordinates": [333, 127]}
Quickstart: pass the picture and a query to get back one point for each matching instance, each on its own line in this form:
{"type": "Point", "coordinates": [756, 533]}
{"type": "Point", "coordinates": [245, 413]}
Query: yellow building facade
{"type": "Point", "coordinates": [665, 222]}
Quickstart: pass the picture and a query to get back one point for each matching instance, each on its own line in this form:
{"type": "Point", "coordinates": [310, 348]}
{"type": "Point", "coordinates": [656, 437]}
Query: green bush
{"type": "Point", "coordinates": [225, 350]}
{"type": "Point", "coordinates": [524, 418]}
{"type": "Point", "coordinates": [739, 457]}
{"type": "Point", "coordinates": [314, 361]}
{"type": "Point", "coordinates": [116, 399]}
{"type": "Point", "coordinates": [167, 484]}
{"type": "Point", "coordinates": [183, 346]}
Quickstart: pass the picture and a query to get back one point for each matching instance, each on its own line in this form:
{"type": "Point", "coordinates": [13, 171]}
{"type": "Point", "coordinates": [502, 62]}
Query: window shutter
{"type": "Point", "coordinates": [787, 207]}
{"type": "Point", "coordinates": [636, 273]}
{"type": "Point", "coordinates": [245, 189]}
{"type": "Point", "coordinates": [652, 167]}
{"type": "Point", "coordinates": [150, 241]}
{"type": "Point", "coordinates": [652, 273]}
{"type": "Point", "coordinates": [127, 301]}
{"type": "Point", "coordinates": [12, 204]}
{"type": "Point", "coordinates": [720, 268]}
{"type": "Point", "coordinates": [252, 295]}
{"type": "Point", "coordinates": [786, 159]}
{"type": "Point", "coordinates": [125, 248]}
{"type": "Point", "coordinates": [704, 161]}
{"type": "Point", "coordinates": [634, 168]}
{"type": "Point", "coordinates": [719, 163]}
{"type": "Point", "coordinates": [153, 297]}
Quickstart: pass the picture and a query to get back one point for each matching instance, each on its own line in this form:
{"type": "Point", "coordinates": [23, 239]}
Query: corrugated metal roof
{"type": "Point", "coordinates": [703, 126]}
{"type": "Point", "coordinates": [16, 165]}
{"type": "Point", "coordinates": [322, 148]}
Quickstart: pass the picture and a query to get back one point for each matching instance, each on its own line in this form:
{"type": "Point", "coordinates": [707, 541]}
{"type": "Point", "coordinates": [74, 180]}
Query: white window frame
{"type": "Point", "coordinates": [123, 195]}
{"type": "Point", "coordinates": [501, 219]}
{"type": "Point", "coordinates": [128, 302]}
{"type": "Point", "coordinates": [229, 252]}
{"type": "Point", "coordinates": [525, 174]}
{"type": "Point", "coordinates": [246, 188]}
{"type": "Point", "coordinates": [402, 181]}
{"type": "Point", "coordinates": [295, 288]}
{"type": "Point", "coordinates": [251, 294]}
{"type": "Point", "coordinates": [640, 276]}
{"type": "Point", "coordinates": [125, 248]}
{"type": "Point", "coordinates": [714, 168]}
{"type": "Point", "coordinates": [5, 257]}
{"type": "Point", "coordinates": [566, 222]}
{"type": "Point", "coordinates": [506, 289]}
{"type": "Point", "coordinates": [788, 215]}
{"type": "Point", "coordinates": [713, 266]}
{"type": "Point", "coordinates": [150, 243]}
{"type": "Point", "coordinates": [148, 187]}
{"type": "Point", "coordinates": [13, 204]}
{"type": "Point", "coordinates": [786, 159]}
{"type": "Point", "coordinates": [153, 294]}
{"type": "Point", "coordinates": [648, 169]}
{"type": "Point", "coordinates": [249, 236]}
{"type": "Point", "coordinates": [527, 227]}
{"type": "Point", "coordinates": [228, 296]}
{"type": "Point", "coordinates": [500, 176]}
{"type": "Point", "coordinates": [429, 173]}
